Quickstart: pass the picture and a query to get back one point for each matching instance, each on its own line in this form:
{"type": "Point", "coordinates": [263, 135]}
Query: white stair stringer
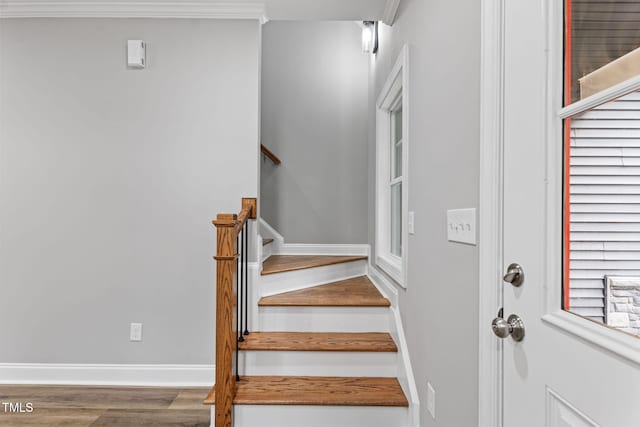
{"type": "Point", "coordinates": [405, 372]}
{"type": "Point", "coordinates": [267, 251]}
{"type": "Point", "coordinates": [324, 319]}
{"type": "Point", "coordinates": [317, 416]}
{"type": "Point", "coordinates": [319, 363]}
{"type": "Point", "coordinates": [277, 283]}
{"type": "Point", "coordinates": [279, 247]}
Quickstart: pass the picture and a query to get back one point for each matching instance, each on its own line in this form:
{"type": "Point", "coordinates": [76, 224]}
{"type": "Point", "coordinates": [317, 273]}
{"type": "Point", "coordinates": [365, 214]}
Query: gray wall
{"type": "Point", "coordinates": [314, 117]}
{"type": "Point", "coordinates": [444, 170]}
{"type": "Point", "coordinates": [109, 179]}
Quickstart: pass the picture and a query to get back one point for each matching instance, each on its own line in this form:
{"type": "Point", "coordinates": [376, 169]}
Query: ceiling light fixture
{"type": "Point", "coordinates": [370, 36]}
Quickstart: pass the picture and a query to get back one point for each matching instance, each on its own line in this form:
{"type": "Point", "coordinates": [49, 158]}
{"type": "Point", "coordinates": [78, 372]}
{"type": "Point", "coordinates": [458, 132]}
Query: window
{"type": "Point", "coordinates": [391, 173]}
{"type": "Point", "coordinates": [395, 181]}
{"type": "Point", "coordinates": [601, 157]}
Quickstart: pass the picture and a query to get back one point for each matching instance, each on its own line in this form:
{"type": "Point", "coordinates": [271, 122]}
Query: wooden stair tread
{"type": "Point", "coordinates": [283, 263]}
{"type": "Point", "coordinates": [319, 341]}
{"type": "Point", "coordinates": [266, 241]}
{"type": "Point", "coordinates": [317, 391]}
{"type": "Point", "coordinates": [356, 292]}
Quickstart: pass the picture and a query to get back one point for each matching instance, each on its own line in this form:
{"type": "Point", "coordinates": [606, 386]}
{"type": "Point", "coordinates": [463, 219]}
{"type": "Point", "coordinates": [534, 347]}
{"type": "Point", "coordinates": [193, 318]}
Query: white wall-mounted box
{"type": "Point", "coordinates": [136, 53]}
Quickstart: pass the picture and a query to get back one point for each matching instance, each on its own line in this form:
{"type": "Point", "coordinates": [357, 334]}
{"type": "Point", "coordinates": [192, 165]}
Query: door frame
{"type": "Point", "coordinates": [490, 356]}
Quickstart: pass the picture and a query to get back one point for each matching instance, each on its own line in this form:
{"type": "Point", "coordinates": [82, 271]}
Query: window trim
{"type": "Point", "coordinates": [396, 86]}
{"type": "Point", "coordinates": [600, 335]}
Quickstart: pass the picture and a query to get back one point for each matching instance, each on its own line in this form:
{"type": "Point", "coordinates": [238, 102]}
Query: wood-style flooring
{"type": "Point", "coordinates": [84, 406]}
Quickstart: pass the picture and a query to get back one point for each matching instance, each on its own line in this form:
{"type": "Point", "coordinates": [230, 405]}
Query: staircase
{"type": "Point", "coordinates": [323, 355]}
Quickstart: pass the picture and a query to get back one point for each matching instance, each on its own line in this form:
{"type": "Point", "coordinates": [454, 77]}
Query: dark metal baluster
{"type": "Point", "coordinates": [237, 312]}
{"type": "Point", "coordinates": [242, 261]}
{"type": "Point", "coordinates": [246, 281]}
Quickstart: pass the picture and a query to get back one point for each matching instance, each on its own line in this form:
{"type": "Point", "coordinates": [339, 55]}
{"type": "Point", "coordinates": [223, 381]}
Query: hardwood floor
{"type": "Point", "coordinates": [83, 406]}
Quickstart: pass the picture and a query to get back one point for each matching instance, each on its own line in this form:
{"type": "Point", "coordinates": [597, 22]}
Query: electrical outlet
{"type": "Point", "coordinates": [135, 332]}
{"type": "Point", "coordinates": [411, 223]}
{"type": "Point", "coordinates": [431, 400]}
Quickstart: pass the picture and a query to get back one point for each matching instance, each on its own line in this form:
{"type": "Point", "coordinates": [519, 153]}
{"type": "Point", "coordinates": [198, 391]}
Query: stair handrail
{"type": "Point", "coordinates": [231, 232]}
{"type": "Point", "coordinates": [269, 154]}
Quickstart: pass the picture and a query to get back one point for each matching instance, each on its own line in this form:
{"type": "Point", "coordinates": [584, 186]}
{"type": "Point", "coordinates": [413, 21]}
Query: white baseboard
{"type": "Point", "coordinates": [279, 247]}
{"type": "Point", "coordinates": [322, 249]}
{"type": "Point", "coordinates": [384, 285]}
{"type": "Point", "coordinates": [405, 371]}
{"type": "Point", "coordinates": [268, 231]}
{"type": "Point", "coordinates": [103, 374]}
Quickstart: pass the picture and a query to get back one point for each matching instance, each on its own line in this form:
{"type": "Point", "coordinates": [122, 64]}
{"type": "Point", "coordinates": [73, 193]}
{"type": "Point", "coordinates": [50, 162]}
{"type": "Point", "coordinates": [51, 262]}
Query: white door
{"type": "Point", "coordinates": [570, 369]}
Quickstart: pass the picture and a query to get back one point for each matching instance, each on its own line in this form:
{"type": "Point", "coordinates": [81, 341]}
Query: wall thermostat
{"type": "Point", "coordinates": [136, 53]}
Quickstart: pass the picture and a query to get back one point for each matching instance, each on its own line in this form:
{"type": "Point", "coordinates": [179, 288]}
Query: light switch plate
{"type": "Point", "coordinates": [411, 223]}
{"type": "Point", "coordinates": [136, 53]}
{"type": "Point", "coordinates": [135, 332]}
{"type": "Point", "coordinates": [461, 226]}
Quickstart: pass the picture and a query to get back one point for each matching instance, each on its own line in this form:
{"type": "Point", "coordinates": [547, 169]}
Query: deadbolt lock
{"type": "Point", "coordinates": [515, 275]}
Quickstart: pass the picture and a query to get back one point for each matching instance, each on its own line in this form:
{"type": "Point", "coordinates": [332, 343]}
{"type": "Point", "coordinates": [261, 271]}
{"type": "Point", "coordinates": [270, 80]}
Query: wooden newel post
{"type": "Point", "coordinates": [226, 258]}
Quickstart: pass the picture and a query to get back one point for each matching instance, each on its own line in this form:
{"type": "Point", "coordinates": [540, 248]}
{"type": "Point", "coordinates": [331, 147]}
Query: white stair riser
{"type": "Point", "coordinates": [319, 363]}
{"type": "Point", "coordinates": [277, 283]}
{"type": "Point", "coordinates": [317, 416]}
{"type": "Point", "coordinates": [267, 251]}
{"type": "Point", "coordinates": [324, 319]}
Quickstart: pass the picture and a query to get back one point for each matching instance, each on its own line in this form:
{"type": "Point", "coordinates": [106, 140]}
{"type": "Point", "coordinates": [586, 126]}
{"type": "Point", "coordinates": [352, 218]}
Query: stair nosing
{"type": "Point", "coordinates": [302, 304]}
{"type": "Point", "coordinates": [399, 399]}
{"type": "Point", "coordinates": [388, 347]}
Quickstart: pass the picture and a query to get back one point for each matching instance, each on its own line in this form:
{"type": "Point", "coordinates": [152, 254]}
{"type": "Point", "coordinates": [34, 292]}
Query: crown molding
{"type": "Point", "coordinates": [390, 11]}
{"type": "Point", "coordinates": [201, 9]}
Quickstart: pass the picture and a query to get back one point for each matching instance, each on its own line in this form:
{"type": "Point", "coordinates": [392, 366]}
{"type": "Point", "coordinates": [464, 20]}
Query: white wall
{"type": "Point", "coordinates": [109, 179]}
{"type": "Point", "coordinates": [314, 117]}
{"type": "Point", "coordinates": [440, 307]}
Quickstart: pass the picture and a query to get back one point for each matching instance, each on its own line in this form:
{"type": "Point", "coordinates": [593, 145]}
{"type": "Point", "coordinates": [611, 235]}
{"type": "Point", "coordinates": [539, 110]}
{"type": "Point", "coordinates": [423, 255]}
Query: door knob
{"type": "Point", "coordinates": [515, 275]}
{"type": "Point", "coordinates": [513, 326]}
